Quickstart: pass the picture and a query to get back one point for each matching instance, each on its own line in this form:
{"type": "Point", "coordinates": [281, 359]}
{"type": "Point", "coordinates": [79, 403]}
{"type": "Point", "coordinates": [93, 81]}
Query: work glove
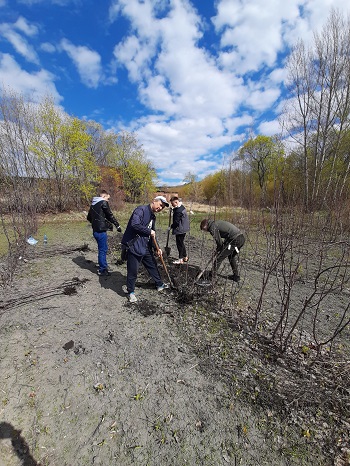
{"type": "Point", "coordinates": [119, 229]}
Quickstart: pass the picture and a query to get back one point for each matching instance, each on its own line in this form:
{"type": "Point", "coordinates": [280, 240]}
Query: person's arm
{"type": "Point", "coordinates": [109, 215]}
{"type": "Point", "coordinates": [137, 223]}
{"type": "Point", "coordinates": [215, 232]}
{"type": "Point", "coordinates": [176, 220]}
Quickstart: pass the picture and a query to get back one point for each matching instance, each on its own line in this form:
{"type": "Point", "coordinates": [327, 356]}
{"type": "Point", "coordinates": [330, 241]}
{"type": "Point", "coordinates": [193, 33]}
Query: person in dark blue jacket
{"type": "Point", "coordinates": [101, 218]}
{"type": "Point", "coordinates": [180, 226]}
{"type": "Point", "coordinates": [137, 244]}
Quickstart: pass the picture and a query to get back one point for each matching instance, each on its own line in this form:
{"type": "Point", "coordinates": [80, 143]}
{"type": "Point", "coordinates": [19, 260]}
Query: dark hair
{"type": "Point", "coordinates": [174, 198]}
{"type": "Point", "coordinates": [103, 191]}
{"type": "Point", "coordinates": [204, 224]}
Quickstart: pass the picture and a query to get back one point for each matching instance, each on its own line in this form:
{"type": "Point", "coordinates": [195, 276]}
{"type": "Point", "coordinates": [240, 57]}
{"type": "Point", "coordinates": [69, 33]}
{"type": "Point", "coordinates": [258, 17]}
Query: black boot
{"type": "Point", "coordinates": [234, 277]}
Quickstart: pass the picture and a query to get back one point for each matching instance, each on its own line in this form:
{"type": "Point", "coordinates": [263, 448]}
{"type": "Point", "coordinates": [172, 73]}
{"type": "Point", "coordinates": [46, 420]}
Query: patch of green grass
{"type": "Point", "coordinates": [69, 228]}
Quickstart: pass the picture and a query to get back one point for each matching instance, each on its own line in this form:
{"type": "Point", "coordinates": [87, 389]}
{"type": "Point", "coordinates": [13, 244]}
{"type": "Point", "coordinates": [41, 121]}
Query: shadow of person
{"type": "Point", "coordinates": [113, 282]}
{"type": "Point", "coordinates": [86, 264]}
{"type": "Point", "coordinates": [19, 445]}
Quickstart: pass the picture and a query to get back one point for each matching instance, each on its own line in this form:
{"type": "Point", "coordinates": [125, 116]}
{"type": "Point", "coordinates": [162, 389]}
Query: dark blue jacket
{"type": "Point", "coordinates": [137, 233]}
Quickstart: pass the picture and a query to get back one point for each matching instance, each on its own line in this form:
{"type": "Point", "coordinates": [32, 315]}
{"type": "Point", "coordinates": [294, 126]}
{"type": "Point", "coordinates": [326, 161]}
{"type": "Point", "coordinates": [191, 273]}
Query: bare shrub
{"type": "Point", "coordinates": [294, 248]}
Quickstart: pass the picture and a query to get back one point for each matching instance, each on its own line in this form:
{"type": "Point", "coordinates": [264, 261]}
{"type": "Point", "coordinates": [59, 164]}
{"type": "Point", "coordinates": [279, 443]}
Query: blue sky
{"type": "Point", "coordinates": [193, 79]}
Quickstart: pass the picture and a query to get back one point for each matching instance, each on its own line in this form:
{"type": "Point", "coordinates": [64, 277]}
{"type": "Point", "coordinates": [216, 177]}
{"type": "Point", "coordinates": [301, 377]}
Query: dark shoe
{"type": "Point", "coordinates": [104, 273]}
{"type": "Point", "coordinates": [234, 277]}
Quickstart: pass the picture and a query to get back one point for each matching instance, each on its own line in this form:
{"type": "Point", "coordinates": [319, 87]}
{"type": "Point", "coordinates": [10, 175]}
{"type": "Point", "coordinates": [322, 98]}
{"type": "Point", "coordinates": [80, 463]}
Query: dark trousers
{"type": "Point", "coordinates": [180, 244]}
{"type": "Point", "coordinates": [230, 252]}
{"type": "Point", "coordinates": [133, 264]}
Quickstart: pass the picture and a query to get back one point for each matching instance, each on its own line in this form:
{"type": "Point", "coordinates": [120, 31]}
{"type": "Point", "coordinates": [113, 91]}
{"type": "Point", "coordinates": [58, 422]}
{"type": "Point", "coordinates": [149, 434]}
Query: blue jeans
{"type": "Point", "coordinates": [102, 243]}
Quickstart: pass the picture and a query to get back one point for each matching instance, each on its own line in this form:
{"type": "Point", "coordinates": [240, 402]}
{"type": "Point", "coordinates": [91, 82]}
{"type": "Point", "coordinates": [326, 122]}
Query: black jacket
{"type": "Point", "coordinates": [100, 215]}
{"type": "Point", "coordinates": [223, 232]}
{"type": "Point", "coordinates": [181, 223]}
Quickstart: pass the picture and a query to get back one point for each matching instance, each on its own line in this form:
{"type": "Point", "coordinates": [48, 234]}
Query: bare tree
{"type": "Point", "coordinates": [317, 113]}
{"type": "Point", "coordinates": [19, 197]}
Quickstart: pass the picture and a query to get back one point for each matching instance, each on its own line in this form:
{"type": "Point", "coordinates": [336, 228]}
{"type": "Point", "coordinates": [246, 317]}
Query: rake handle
{"type": "Point", "coordinates": [207, 264]}
{"type": "Point", "coordinates": [162, 260]}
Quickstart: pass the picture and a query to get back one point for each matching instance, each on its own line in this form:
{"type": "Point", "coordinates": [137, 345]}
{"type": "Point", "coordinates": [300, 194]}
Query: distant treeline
{"type": "Point", "coordinates": [53, 161]}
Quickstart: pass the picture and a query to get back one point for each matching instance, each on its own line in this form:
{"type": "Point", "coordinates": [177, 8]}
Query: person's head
{"type": "Point", "coordinates": [159, 203]}
{"type": "Point", "coordinates": [104, 194]}
{"type": "Point", "coordinates": [175, 201]}
{"type": "Point", "coordinates": [204, 224]}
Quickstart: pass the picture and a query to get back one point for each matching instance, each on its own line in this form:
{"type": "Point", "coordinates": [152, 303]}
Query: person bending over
{"type": "Point", "coordinates": [229, 240]}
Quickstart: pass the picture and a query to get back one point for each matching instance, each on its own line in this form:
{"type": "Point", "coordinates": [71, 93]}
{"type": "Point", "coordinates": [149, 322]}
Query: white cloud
{"type": "Point", "coordinates": [253, 34]}
{"type": "Point", "coordinates": [184, 83]}
{"type": "Point", "coordinates": [135, 55]}
{"type": "Point", "coordinates": [200, 93]}
{"type": "Point", "coordinates": [270, 128]}
{"type": "Point", "coordinates": [87, 62]}
{"type": "Point", "coordinates": [260, 98]}
{"type": "Point", "coordinates": [18, 42]}
{"type": "Point", "coordinates": [184, 145]}
{"type": "Point", "coordinates": [35, 85]}
{"type": "Point", "coordinates": [24, 26]}
{"type": "Point", "coordinates": [184, 79]}
{"type": "Point", "coordinates": [114, 10]}
{"type": "Point", "coordinates": [48, 47]}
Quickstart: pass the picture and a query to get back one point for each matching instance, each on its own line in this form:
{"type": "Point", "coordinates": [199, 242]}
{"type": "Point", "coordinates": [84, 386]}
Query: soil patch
{"type": "Point", "coordinates": [176, 378]}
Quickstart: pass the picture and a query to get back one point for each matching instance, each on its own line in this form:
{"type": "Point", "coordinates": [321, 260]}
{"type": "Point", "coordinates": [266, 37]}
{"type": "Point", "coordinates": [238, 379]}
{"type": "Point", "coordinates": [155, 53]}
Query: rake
{"type": "Point", "coordinates": [163, 263]}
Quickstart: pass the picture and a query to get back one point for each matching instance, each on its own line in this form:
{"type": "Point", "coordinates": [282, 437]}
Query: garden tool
{"type": "Point", "coordinates": [167, 248]}
{"type": "Point", "coordinates": [163, 263]}
{"type": "Point", "coordinates": [211, 261]}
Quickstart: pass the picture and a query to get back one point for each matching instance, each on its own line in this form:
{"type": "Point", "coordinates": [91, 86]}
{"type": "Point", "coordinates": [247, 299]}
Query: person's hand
{"type": "Point", "coordinates": [168, 229]}
{"type": "Point", "coordinates": [119, 229]}
{"type": "Point", "coordinates": [153, 233]}
{"type": "Point", "coordinates": [159, 252]}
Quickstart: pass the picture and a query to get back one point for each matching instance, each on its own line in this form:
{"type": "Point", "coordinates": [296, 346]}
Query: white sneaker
{"type": "Point", "coordinates": [165, 286]}
{"type": "Point", "coordinates": [132, 298]}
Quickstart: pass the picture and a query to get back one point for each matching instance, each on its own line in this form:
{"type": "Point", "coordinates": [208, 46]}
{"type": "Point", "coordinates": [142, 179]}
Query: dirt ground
{"type": "Point", "coordinates": [90, 379]}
